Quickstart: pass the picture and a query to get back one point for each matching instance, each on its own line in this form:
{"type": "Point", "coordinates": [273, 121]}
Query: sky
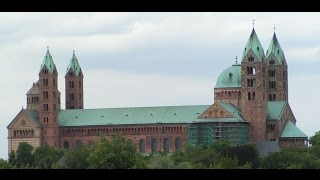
{"type": "Point", "coordinates": [152, 59]}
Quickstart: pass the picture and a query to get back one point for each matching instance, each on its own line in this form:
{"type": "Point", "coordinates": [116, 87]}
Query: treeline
{"type": "Point", "coordinates": [119, 153]}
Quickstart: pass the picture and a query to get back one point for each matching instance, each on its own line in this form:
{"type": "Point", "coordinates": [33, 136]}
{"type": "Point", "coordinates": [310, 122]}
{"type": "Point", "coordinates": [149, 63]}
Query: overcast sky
{"type": "Point", "coordinates": [152, 59]}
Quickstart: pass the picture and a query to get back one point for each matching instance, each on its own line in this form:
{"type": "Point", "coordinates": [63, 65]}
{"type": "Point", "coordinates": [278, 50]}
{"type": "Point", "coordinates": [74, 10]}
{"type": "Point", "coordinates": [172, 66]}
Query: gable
{"type": "Point", "coordinates": [216, 110]}
{"type": "Point", "coordinates": [25, 118]}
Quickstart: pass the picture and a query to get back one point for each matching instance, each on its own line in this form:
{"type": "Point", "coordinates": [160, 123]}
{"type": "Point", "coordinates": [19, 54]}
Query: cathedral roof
{"type": "Point", "coordinates": [275, 109]}
{"type": "Point", "coordinates": [230, 77]}
{"type": "Point", "coordinates": [34, 90]}
{"type": "Point", "coordinates": [48, 62]}
{"type": "Point", "coordinates": [74, 65]}
{"type": "Point", "coordinates": [290, 130]}
{"type": "Point", "coordinates": [136, 115]}
{"type": "Point", "coordinates": [275, 49]}
{"type": "Point", "coordinates": [254, 45]}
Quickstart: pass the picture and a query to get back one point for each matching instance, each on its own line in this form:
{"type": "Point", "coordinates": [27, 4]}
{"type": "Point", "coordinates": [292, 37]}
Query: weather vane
{"type": "Point", "coordinates": [253, 22]}
{"type": "Point", "coordinates": [274, 28]}
{"type": "Point", "coordinates": [236, 59]}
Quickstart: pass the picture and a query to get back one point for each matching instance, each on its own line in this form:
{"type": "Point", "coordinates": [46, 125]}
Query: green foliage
{"type": "Point", "coordinates": [115, 154]}
{"type": "Point", "coordinates": [161, 162]}
{"type": "Point", "coordinates": [220, 145]}
{"type": "Point", "coordinates": [291, 158]}
{"type": "Point", "coordinates": [315, 140]}
{"type": "Point", "coordinates": [45, 156]}
{"type": "Point", "coordinates": [245, 154]}
{"type": "Point", "coordinates": [76, 158]}
{"type": "Point", "coordinates": [12, 158]}
{"type": "Point", "coordinates": [24, 155]}
{"type": "Point", "coordinates": [5, 164]}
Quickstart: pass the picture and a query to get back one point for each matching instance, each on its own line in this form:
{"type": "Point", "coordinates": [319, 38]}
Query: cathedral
{"type": "Point", "coordinates": [250, 105]}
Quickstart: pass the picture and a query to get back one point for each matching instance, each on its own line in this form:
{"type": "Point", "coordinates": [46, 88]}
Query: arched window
{"type": "Point", "coordinates": [142, 146]}
{"type": "Point", "coordinates": [166, 145]}
{"type": "Point", "coordinates": [66, 144]}
{"type": "Point", "coordinates": [178, 144]}
{"type": "Point", "coordinates": [154, 145]}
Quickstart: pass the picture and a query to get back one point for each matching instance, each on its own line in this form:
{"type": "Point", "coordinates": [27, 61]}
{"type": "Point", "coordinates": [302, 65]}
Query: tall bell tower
{"type": "Point", "coordinates": [49, 102]}
{"type": "Point", "coordinates": [74, 84]}
{"type": "Point", "coordinates": [254, 90]}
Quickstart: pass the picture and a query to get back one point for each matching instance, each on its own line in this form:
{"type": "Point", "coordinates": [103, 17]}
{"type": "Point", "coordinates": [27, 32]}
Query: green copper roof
{"type": "Point", "coordinates": [48, 62]}
{"type": "Point", "coordinates": [275, 49]}
{"type": "Point", "coordinates": [275, 109]}
{"type": "Point", "coordinates": [231, 77]}
{"type": "Point", "coordinates": [290, 130]}
{"type": "Point", "coordinates": [74, 65]}
{"type": "Point", "coordinates": [131, 115]}
{"type": "Point", "coordinates": [254, 45]}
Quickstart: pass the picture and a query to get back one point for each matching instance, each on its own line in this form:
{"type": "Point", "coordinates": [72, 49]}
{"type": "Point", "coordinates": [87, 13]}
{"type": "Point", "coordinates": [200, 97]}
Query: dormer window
{"type": "Point", "coordinates": [258, 48]}
{"type": "Point", "coordinates": [230, 75]}
{"type": "Point", "coordinates": [272, 61]}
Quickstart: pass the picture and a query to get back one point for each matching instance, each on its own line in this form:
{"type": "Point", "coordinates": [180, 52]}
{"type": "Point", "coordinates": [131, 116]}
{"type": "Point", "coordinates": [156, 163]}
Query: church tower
{"type": "Point", "coordinates": [277, 72]}
{"type": "Point", "coordinates": [49, 102]}
{"type": "Point", "coordinates": [253, 86]}
{"type": "Point", "coordinates": [74, 85]}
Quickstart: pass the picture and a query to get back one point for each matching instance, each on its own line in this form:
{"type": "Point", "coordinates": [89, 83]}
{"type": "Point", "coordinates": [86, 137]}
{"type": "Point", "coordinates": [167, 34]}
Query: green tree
{"type": "Point", "coordinates": [24, 155]}
{"type": "Point", "coordinates": [291, 158]}
{"type": "Point", "coordinates": [12, 158]}
{"type": "Point", "coordinates": [115, 154]}
{"type": "Point", "coordinates": [45, 156]}
{"type": "Point", "coordinates": [220, 145]}
{"type": "Point", "coordinates": [245, 154]}
{"type": "Point", "coordinates": [77, 158]}
{"type": "Point", "coordinates": [315, 139]}
{"type": "Point", "coordinates": [161, 162]}
{"type": "Point", "coordinates": [5, 164]}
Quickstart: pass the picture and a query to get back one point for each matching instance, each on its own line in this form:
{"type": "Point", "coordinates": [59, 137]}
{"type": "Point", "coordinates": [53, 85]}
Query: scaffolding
{"type": "Point", "coordinates": [211, 132]}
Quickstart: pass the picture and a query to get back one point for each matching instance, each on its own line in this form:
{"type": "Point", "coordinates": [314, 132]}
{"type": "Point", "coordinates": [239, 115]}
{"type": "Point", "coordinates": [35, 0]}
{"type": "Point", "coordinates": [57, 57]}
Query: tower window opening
{"type": "Point", "coordinates": [272, 61]}
{"type": "Point", "coordinates": [251, 58]}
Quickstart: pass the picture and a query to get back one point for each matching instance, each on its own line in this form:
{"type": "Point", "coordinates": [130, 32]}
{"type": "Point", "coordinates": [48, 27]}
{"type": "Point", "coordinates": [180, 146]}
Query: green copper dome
{"type": "Point", "coordinates": [275, 49]}
{"type": "Point", "coordinates": [231, 77]}
{"type": "Point", "coordinates": [254, 45]}
{"type": "Point", "coordinates": [48, 62]}
{"type": "Point", "coordinates": [74, 65]}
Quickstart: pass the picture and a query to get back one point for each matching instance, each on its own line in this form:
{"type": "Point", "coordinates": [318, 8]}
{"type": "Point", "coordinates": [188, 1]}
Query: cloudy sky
{"type": "Point", "coordinates": [152, 59]}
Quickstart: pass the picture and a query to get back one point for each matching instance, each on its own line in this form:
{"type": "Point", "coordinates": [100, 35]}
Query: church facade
{"type": "Point", "coordinates": [250, 105]}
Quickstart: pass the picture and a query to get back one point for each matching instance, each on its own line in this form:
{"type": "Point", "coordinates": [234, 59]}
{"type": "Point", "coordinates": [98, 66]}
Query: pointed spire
{"type": "Point", "coordinates": [48, 62]}
{"type": "Point", "coordinates": [74, 65]}
{"type": "Point", "coordinates": [254, 44]}
{"type": "Point", "coordinates": [276, 50]}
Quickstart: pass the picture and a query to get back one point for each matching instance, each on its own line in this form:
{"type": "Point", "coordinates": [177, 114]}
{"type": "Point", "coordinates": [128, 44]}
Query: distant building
{"type": "Point", "coordinates": [250, 105]}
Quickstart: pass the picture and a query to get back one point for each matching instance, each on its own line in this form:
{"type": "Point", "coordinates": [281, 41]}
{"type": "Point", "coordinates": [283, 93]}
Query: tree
{"type": "Point", "coordinates": [315, 140]}
{"type": "Point", "coordinates": [12, 158]}
{"type": "Point", "coordinates": [45, 156]}
{"type": "Point", "coordinates": [161, 162]}
{"type": "Point", "coordinates": [24, 154]}
{"type": "Point", "coordinates": [77, 158]}
{"type": "Point", "coordinates": [292, 158]}
{"type": "Point", "coordinates": [5, 164]}
{"type": "Point", "coordinates": [118, 153]}
{"type": "Point", "coordinates": [245, 154]}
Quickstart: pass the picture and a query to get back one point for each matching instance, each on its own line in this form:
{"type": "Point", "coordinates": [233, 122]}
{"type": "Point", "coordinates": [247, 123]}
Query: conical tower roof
{"type": "Point", "coordinates": [254, 45]}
